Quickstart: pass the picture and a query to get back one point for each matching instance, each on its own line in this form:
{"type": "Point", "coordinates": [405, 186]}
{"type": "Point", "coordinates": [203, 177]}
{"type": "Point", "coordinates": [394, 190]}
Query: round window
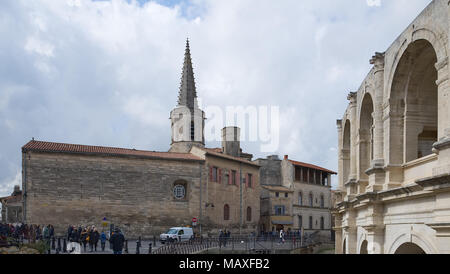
{"type": "Point", "coordinates": [179, 192]}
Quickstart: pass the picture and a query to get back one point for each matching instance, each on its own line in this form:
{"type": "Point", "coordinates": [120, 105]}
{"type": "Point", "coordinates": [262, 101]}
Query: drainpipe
{"type": "Point", "coordinates": [240, 199]}
{"type": "Point", "coordinates": [24, 187]}
{"type": "Point", "coordinates": [201, 202]}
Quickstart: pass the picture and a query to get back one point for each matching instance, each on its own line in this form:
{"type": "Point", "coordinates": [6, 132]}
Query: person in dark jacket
{"type": "Point", "coordinates": [117, 240]}
{"type": "Point", "coordinates": [84, 238]}
{"type": "Point", "coordinates": [69, 232]}
{"type": "Point", "coordinates": [93, 239]}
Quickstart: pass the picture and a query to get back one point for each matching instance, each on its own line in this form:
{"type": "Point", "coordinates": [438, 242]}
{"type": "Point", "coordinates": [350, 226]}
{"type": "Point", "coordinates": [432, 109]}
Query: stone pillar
{"type": "Point", "coordinates": [375, 239]}
{"type": "Point", "coordinates": [440, 221]}
{"type": "Point", "coordinates": [352, 97]}
{"type": "Point", "coordinates": [338, 241]}
{"type": "Point", "coordinates": [442, 147]}
{"type": "Point", "coordinates": [351, 184]}
{"type": "Point", "coordinates": [375, 228]}
{"type": "Point", "coordinates": [350, 231]}
{"type": "Point", "coordinates": [376, 171]}
{"type": "Point", "coordinates": [378, 139]}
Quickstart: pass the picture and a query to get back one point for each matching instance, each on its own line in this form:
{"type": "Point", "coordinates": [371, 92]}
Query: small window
{"type": "Point", "coordinates": [279, 210]}
{"type": "Point", "coordinates": [310, 222]}
{"type": "Point", "coordinates": [286, 195]}
{"type": "Point", "coordinates": [249, 214]}
{"type": "Point", "coordinates": [233, 177]}
{"type": "Point", "coordinates": [192, 131]}
{"type": "Point", "coordinates": [300, 222]}
{"type": "Point", "coordinates": [311, 200]}
{"type": "Point", "coordinates": [322, 223]}
{"type": "Point", "coordinates": [213, 174]}
{"type": "Point", "coordinates": [250, 180]}
{"type": "Point", "coordinates": [322, 201]}
{"type": "Point", "coordinates": [300, 198]}
{"type": "Point", "coordinates": [179, 192]}
{"type": "Point", "coordinates": [277, 194]}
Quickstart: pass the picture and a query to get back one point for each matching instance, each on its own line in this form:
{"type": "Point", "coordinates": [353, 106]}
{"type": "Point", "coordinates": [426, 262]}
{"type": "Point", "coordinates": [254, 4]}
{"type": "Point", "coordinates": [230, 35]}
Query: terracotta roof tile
{"type": "Point", "coordinates": [214, 151]}
{"type": "Point", "coordinates": [277, 188]}
{"type": "Point", "coordinates": [84, 149]}
{"type": "Point", "coordinates": [12, 199]}
{"type": "Point", "coordinates": [296, 163]}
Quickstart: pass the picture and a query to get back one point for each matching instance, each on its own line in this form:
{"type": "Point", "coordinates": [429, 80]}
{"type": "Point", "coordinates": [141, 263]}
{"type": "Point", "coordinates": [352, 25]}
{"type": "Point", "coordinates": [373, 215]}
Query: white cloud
{"type": "Point", "coordinates": [373, 3]}
{"type": "Point", "coordinates": [7, 187]}
{"type": "Point", "coordinates": [108, 72]}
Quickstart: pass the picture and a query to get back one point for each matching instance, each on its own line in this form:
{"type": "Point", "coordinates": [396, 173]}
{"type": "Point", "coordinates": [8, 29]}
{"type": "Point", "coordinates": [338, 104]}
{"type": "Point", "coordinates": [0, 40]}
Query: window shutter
{"type": "Point", "coordinates": [230, 177]}
{"type": "Point", "coordinates": [250, 181]}
{"type": "Point", "coordinates": [210, 173]}
{"type": "Point", "coordinates": [237, 179]}
{"type": "Point", "coordinates": [247, 183]}
{"type": "Point", "coordinates": [220, 176]}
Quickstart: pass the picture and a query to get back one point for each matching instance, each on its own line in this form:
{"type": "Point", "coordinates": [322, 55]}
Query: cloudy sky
{"type": "Point", "coordinates": [108, 72]}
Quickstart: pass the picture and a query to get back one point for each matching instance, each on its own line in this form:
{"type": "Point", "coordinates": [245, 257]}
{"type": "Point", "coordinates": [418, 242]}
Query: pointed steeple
{"type": "Point", "coordinates": [188, 94]}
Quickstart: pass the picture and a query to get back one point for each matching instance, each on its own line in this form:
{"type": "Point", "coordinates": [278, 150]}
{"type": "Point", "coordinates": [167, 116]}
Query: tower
{"type": "Point", "coordinates": [187, 118]}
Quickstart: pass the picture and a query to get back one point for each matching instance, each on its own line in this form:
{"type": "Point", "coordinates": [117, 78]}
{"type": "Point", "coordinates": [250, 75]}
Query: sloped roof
{"type": "Point", "coordinates": [214, 152]}
{"type": "Point", "coordinates": [41, 146]}
{"type": "Point", "coordinates": [277, 188]}
{"type": "Point", "coordinates": [12, 199]}
{"type": "Point", "coordinates": [301, 164]}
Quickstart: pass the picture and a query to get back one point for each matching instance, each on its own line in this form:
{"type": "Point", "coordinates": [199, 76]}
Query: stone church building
{"type": "Point", "coordinates": [146, 192]}
{"type": "Point", "coordinates": [394, 146]}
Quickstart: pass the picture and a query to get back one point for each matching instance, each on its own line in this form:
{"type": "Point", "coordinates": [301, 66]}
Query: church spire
{"type": "Point", "coordinates": [188, 94]}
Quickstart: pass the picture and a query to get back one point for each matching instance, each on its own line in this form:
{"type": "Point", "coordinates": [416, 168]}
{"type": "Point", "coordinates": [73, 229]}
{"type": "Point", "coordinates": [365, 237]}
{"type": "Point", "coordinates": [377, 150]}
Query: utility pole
{"type": "Point", "coordinates": [201, 201]}
{"type": "Point", "coordinates": [240, 199]}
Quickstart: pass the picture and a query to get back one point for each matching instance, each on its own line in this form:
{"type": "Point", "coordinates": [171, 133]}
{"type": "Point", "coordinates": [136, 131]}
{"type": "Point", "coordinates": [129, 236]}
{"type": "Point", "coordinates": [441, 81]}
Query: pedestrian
{"type": "Point", "coordinates": [281, 236]}
{"type": "Point", "coordinates": [117, 239]}
{"type": "Point", "coordinates": [93, 239]}
{"type": "Point", "coordinates": [84, 238]}
{"type": "Point", "coordinates": [225, 238]}
{"type": "Point", "coordinates": [220, 238]}
{"type": "Point", "coordinates": [103, 240]}
{"type": "Point", "coordinates": [69, 232]}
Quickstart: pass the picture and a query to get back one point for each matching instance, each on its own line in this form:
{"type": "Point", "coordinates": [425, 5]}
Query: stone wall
{"type": "Point", "coordinates": [223, 193]}
{"type": "Point", "coordinates": [134, 194]}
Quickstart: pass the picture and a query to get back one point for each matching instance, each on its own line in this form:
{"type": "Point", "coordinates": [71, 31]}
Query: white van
{"type": "Point", "coordinates": [177, 234]}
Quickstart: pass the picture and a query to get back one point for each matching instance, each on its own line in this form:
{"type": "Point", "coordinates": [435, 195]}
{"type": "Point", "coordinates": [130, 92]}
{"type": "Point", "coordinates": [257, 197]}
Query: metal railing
{"type": "Point", "coordinates": [246, 244]}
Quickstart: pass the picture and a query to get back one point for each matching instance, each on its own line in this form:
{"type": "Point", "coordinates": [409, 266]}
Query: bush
{"type": "Point", "coordinates": [40, 246]}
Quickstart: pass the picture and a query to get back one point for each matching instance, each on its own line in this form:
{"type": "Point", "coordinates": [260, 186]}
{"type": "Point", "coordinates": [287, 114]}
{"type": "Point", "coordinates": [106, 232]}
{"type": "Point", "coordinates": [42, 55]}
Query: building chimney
{"type": "Point", "coordinates": [231, 144]}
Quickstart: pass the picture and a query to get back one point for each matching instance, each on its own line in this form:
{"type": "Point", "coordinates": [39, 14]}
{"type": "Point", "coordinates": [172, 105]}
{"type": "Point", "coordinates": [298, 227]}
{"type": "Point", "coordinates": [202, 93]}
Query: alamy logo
{"type": "Point", "coordinates": [256, 123]}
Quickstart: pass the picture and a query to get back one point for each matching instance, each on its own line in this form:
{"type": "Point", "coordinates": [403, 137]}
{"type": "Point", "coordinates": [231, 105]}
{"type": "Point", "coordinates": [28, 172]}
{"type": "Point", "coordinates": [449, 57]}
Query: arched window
{"type": "Point", "coordinates": [311, 200]}
{"type": "Point", "coordinates": [226, 212]}
{"type": "Point", "coordinates": [179, 190]}
{"type": "Point", "coordinates": [322, 223]}
{"type": "Point", "coordinates": [365, 136]}
{"type": "Point", "coordinates": [249, 214]}
{"type": "Point", "coordinates": [414, 104]}
{"type": "Point", "coordinates": [322, 201]}
{"type": "Point", "coordinates": [300, 198]}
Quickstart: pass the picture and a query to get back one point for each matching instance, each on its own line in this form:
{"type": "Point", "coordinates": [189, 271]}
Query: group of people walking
{"type": "Point", "coordinates": [86, 236]}
{"type": "Point", "coordinates": [32, 233]}
{"type": "Point", "coordinates": [223, 237]}
{"type": "Point", "coordinates": [90, 236]}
